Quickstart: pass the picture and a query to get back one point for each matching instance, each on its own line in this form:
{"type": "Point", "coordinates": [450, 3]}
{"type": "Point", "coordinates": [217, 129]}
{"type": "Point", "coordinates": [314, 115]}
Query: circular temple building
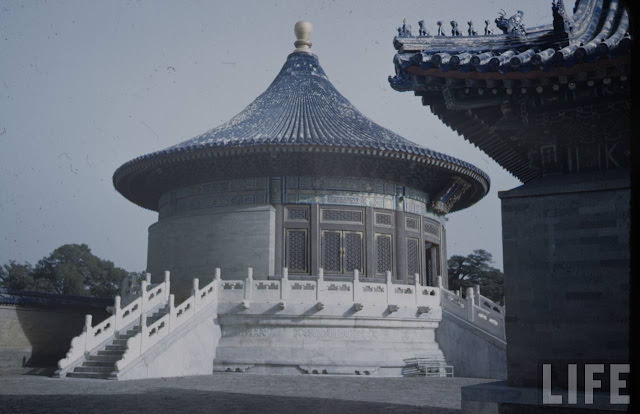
{"type": "Point", "coordinates": [301, 184]}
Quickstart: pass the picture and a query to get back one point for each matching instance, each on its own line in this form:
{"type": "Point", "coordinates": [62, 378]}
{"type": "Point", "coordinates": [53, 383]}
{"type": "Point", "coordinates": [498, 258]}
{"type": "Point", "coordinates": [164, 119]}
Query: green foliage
{"type": "Point", "coordinates": [16, 276]}
{"type": "Point", "coordinates": [70, 269]}
{"type": "Point", "coordinates": [476, 269]}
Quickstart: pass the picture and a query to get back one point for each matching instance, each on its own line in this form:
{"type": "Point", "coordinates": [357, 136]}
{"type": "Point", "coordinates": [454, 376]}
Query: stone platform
{"type": "Point", "coordinates": [233, 393]}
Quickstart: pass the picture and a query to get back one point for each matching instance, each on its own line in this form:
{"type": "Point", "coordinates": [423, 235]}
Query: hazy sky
{"type": "Point", "coordinates": [88, 85]}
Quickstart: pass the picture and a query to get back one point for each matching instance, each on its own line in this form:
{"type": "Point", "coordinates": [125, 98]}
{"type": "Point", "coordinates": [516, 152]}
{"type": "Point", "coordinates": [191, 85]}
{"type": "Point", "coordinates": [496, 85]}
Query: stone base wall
{"type": "Point", "coordinates": [301, 339]}
{"type": "Point", "coordinates": [458, 337]}
{"type": "Point", "coordinates": [193, 245]}
{"type": "Point", "coordinates": [566, 265]}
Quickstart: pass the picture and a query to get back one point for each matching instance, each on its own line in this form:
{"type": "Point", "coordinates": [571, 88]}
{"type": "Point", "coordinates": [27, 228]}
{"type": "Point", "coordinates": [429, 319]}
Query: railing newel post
{"type": "Point", "coordinates": [116, 313]}
{"type": "Point", "coordinates": [248, 284]}
{"type": "Point", "coordinates": [172, 311]}
{"type": "Point", "coordinates": [143, 294]}
{"type": "Point", "coordinates": [470, 304]}
{"type": "Point", "coordinates": [88, 330]}
{"type": "Point", "coordinates": [356, 285]}
{"type": "Point", "coordinates": [284, 284]}
{"type": "Point", "coordinates": [194, 292]}
{"type": "Point", "coordinates": [167, 284]}
{"type": "Point", "coordinates": [389, 285]}
{"type": "Point", "coordinates": [319, 283]}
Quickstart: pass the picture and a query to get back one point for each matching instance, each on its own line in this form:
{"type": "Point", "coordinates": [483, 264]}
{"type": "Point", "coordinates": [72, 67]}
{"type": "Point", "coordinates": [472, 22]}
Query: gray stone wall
{"type": "Point", "coordinates": [193, 245]}
{"type": "Point", "coordinates": [234, 224]}
{"type": "Point", "coordinates": [38, 335]}
{"type": "Point", "coordinates": [566, 264]}
{"type": "Point", "coordinates": [473, 352]}
{"type": "Point", "coordinates": [354, 191]}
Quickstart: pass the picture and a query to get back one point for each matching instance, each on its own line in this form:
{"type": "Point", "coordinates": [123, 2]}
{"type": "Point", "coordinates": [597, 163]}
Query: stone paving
{"type": "Point", "coordinates": [233, 393]}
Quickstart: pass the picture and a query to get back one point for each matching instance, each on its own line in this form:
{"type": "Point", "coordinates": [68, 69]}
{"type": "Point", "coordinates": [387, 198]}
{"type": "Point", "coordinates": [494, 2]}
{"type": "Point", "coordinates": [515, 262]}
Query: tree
{"type": "Point", "coordinates": [476, 269]}
{"type": "Point", "coordinates": [72, 269]}
{"type": "Point", "coordinates": [16, 276]}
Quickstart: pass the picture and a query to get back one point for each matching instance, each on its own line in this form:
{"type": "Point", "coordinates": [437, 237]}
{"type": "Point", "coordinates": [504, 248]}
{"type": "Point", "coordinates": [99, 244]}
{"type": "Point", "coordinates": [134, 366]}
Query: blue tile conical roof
{"type": "Point", "coordinates": [301, 111]}
{"type": "Point", "coordinates": [301, 106]}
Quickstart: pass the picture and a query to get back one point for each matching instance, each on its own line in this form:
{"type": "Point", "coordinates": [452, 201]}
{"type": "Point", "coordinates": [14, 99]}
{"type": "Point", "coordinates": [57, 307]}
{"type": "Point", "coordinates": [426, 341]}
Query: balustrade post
{"type": "Point", "coordinates": [356, 285]}
{"type": "Point", "coordinates": [470, 304]}
{"type": "Point", "coordinates": [248, 284]}
{"type": "Point", "coordinates": [88, 329]}
{"type": "Point", "coordinates": [116, 313]}
{"type": "Point", "coordinates": [416, 287]}
{"type": "Point", "coordinates": [319, 283]}
{"type": "Point", "coordinates": [194, 293]}
{"type": "Point", "coordinates": [284, 284]}
{"type": "Point", "coordinates": [167, 284]}
{"type": "Point", "coordinates": [216, 278]}
{"type": "Point", "coordinates": [143, 332]}
{"type": "Point", "coordinates": [147, 277]}
{"type": "Point", "coordinates": [387, 275]}
{"type": "Point", "coordinates": [143, 294]}
{"type": "Point", "coordinates": [172, 311]}
{"type": "Point", "coordinates": [476, 292]}
{"type": "Point", "coordinates": [439, 282]}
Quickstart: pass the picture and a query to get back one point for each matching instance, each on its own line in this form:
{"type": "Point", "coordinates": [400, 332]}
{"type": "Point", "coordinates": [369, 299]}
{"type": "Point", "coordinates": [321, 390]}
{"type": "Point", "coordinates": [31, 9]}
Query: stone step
{"type": "Point", "coordinates": [128, 334]}
{"type": "Point", "coordinates": [120, 342]}
{"type": "Point", "coordinates": [94, 369]}
{"type": "Point", "coordinates": [104, 358]}
{"type": "Point", "coordinates": [121, 348]}
{"type": "Point", "coordinates": [105, 352]}
{"type": "Point", "coordinates": [99, 363]}
{"type": "Point", "coordinates": [95, 375]}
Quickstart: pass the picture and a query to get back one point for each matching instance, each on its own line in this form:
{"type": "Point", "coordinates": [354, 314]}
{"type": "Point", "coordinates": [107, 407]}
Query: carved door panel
{"type": "Point", "coordinates": [331, 251]}
{"type": "Point", "coordinates": [296, 251]}
{"type": "Point", "coordinates": [342, 251]}
{"type": "Point", "coordinates": [353, 251]}
{"type": "Point", "coordinates": [384, 253]}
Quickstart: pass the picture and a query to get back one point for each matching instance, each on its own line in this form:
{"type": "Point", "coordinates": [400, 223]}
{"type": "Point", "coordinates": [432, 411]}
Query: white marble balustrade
{"type": "Point", "coordinates": [324, 292]}
{"type": "Point", "coordinates": [318, 292]}
{"type": "Point", "coordinates": [94, 336]}
{"type": "Point", "coordinates": [175, 316]}
{"type": "Point", "coordinates": [475, 308]}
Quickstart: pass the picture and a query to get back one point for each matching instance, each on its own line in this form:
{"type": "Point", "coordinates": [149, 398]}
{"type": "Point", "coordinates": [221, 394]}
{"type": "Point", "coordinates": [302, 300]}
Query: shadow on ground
{"type": "Point", "coordinates": [173, 400]}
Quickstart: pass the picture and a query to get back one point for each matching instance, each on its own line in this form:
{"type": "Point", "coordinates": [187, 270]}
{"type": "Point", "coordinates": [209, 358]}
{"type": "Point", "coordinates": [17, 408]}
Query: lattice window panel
{"type": "Point", "coordinates": [383, 253]}
{"type": "Point", "coordinates": [296, 247]}
{"type": "Point", "coordinates": [352, 216]}
{"type": "Point", "coordinates": [431, 227]}
{"type": "Point", "coordinates": [383, 219]}
{"type": "Point", "coordinates": [297, 213]}
{"type": "Point", "coordinates": [352, 251]}
{"type": "Point", "coordinates": [412, 223]}
{"type": "Point", "coordinates": [331, 251]}
{"type": "Point", "coordinates": [413, 256]}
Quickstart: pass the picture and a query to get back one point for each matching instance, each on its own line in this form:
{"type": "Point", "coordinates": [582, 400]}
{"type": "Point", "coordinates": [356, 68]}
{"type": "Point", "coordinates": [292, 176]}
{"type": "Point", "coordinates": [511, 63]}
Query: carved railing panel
{"type": "Point", "coordinates": [475, 308]}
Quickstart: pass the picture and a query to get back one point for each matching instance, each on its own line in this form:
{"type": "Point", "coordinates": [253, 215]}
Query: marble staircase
{"type": "Point", "coordinates": [103, 351]}
{"type": "Point", "coordinates": [101, 363]}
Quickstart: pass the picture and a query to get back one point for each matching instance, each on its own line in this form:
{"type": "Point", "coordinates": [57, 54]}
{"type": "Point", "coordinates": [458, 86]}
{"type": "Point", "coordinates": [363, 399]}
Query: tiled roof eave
{"type": "Point", "coordinates": [541, 72]}
{"type": "Point", "coordinates": [477, 44]}
{"type": "Point", "coordinates": [147, 163]}
{"type": "Point", "coordinates": [598, 33]}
